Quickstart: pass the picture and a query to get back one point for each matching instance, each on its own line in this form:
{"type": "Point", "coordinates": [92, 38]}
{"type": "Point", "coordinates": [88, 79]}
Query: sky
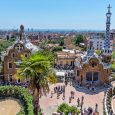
{"type": "Point", "coordinates": [56, 14]}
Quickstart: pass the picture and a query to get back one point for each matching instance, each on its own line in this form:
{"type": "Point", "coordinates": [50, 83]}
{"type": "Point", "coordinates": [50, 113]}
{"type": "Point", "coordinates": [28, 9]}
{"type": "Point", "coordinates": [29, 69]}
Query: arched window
{"type": "Point", "coordinates": [93, 64]}
{"type": "Point", "coordinates": [26, 55]}
{"type": "Point", "coordinates": [19, 47]}
{"type": "Point", "coordinates": [13, 55]}
{"type": "Point", "coordinates": [77, 72]}
{"type": "Point", "coordinates": [10, 65]}
{"type": "Point", "coordinates": [18, 80]}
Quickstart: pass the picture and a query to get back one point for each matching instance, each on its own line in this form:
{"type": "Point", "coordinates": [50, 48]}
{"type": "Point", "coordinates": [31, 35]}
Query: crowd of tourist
{"type": "Point", "coordinates": [60, 89]}
{"type": "Point", "coordinates": [23, 84]}
{"type": "Point", "coordinates": [63, 67]}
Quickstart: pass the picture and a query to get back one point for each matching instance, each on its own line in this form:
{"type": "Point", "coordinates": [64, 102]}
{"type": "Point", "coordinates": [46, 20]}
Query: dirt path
{"type": "Point", "coordinates": [9, 107]}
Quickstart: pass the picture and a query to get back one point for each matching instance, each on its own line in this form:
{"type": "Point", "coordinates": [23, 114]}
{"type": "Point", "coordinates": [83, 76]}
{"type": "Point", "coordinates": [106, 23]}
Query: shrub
{"type": "Point", "coordinates": [66, 109]}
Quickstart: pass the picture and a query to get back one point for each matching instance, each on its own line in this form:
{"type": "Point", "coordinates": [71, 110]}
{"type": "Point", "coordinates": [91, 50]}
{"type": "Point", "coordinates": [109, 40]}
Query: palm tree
{"type": "Point", "coordinates": [38, 68]}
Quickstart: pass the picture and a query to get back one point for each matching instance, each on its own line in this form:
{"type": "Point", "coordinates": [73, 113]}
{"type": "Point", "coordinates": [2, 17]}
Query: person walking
{"type": "Point", "coordinates": [69, 99]}
{"type": "Point", "coordinates": [78, 101]}
{"type": "Point", "coordinates": [82, 98]}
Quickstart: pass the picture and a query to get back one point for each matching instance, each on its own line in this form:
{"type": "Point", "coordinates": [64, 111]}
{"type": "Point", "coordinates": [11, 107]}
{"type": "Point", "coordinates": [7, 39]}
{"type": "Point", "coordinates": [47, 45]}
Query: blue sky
{"type": "Point", "coordinates": [55, 14]}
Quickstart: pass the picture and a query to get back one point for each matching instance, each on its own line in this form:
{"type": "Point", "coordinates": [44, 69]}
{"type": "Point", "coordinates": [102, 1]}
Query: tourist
{"type": "Point", "coordinates": [96, 105]}
{"type": "Point", "coordinates": [93, 88]}
{"type": "Point", "coordinates": [82, 112]}
{"type": "Point", "coordinates": [69, 99]}
{"type": "Point", "coordinates": [57, 95]}
{"type": "Point", "coordinates": [65, 82]}
{"type": "Point", "coordinates": [51, 94]}
{"type": "Point", "coordinates": [111, 112]}
{"type": "Point", "coordinates": [82, 98]}
{"type": "Point", "coordinates": [78, 101]}
{"type": "Point", "coordinates": [81, 106]}
{"type": "Point", "coordinates": [54, 89]}
{"type": "Point", "coordinates": [85, 111]}
{"type": "Point", "coordinates": [88, 87]}
{"type": "Point", "coordinates": [63, 88]}
{"type": "Point", "coordinates": [73, 93]}
{"type": "Point", "coordinates": [63, 96]}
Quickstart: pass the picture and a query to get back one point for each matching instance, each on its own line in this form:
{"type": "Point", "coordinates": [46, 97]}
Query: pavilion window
{"type": "Point", "coordinates": [93, 65]}
{"type": "Point", "coordinates": [19, 48]}
{"type": "Point", "coordinates": [13, 55]}
{"type": "Point", "coordinates": [77, 72]}
{"type": "Point", "coordinates": [18, 81]}
{"type": "Point", "coordinates": [26, 55]}
{"type": "Point", "coordinates": [10, 65]}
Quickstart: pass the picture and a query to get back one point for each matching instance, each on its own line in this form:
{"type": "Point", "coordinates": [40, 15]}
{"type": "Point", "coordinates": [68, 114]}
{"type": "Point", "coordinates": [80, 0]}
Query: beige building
{"type": "Point", "coordinates": [64, 58]}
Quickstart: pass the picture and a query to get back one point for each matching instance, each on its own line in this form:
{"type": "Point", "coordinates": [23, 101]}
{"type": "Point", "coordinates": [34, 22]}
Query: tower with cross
{"type": "Point", "coordinates": [22, 36]}
{"type": "Point", "coordinates": [107, 51]}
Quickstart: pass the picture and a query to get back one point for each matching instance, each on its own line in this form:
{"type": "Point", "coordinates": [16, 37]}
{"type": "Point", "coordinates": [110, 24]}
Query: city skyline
{"type": "Point", "coordinates": [52, 14]}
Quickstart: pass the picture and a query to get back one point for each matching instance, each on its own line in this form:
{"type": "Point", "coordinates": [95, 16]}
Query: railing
{"type": "Point", "coordinates": [107, 101]}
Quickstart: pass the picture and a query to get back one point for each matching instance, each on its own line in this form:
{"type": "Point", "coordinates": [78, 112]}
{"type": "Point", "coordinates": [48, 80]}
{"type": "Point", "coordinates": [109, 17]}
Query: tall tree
{"type": "Point", "coordinates": [38, 68]}
{"type": "Point", "coordinates": [78, 39]}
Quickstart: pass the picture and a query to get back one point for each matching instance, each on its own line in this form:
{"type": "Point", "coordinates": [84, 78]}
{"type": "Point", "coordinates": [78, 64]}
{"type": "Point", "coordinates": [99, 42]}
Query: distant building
{"type": "Point", "coordinates": [65, 58]}
{"type": "Point", "coordinates": [113, 39]}
{"type": "Point", "coordinates": [98, 42]}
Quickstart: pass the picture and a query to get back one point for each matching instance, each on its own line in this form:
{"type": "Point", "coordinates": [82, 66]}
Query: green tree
{"type": "Point", "coordinates": [98, 52]}
{"type": "Point", "coordinates": [37, 68]}
{"type": "Point", "coordinates": [65, 108]}
{"type": "Point", "coordinates": [5, 44]}
{"type": "Point", "coordinates": [57, 48]}
{"type": "Point", "coordinates": [102, 35]}
{"type": "Point", "coordinates": [78, 39]}
{"type": "Point", "coordinates": [113, 56]}
{"type": "Point", "coordinates": [61, 41]}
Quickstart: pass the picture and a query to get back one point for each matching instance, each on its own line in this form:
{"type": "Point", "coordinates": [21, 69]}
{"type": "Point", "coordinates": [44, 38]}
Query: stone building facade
{"type": "Point", "coordinates": [12, 56]}
{"type": "Point", "coordinates": [93, 71]}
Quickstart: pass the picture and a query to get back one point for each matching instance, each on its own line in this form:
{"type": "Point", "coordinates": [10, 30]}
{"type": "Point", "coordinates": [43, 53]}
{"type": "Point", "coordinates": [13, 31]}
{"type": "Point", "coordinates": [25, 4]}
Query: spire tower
{"type": "Point", "coordinates": [108, 23]}
{"type": "Point", "coordinates": [107, 51]}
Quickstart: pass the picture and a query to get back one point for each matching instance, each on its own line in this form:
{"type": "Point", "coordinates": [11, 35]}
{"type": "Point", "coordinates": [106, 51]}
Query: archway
{"type": "Point", "coordinates": [92, 77]}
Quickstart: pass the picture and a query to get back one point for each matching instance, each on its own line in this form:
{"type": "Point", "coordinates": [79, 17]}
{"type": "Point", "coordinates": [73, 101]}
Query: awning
{"type": "Point", "coordinates": [60, 73]}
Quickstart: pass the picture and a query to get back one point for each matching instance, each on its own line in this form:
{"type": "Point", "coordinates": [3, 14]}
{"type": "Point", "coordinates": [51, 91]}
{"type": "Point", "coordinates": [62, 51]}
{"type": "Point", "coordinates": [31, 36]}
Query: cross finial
{"type": "Point", "coordinates": [109, 7]}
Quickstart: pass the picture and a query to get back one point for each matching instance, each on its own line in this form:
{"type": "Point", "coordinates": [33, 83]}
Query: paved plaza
{"type": "Point", "coordinates": [50, 105]}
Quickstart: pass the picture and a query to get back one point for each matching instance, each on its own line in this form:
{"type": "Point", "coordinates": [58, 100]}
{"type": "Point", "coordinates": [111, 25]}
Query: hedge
{"type": "Point", "coordinates": [19, 93]}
